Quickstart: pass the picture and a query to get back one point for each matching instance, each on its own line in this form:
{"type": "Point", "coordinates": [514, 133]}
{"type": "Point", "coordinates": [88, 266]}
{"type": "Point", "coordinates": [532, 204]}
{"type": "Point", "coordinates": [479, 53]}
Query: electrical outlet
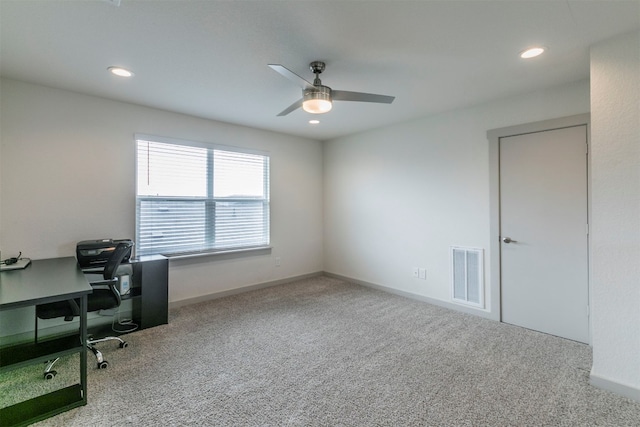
{"type": "Point", "coordinates": [277, 261]}
{"type": "Point", "coordinates": [416, 272]}
{"type": "Point", "coordinates": [423, 273]}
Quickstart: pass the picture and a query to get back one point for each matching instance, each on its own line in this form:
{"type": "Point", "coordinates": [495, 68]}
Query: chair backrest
{"type": "Point", "coordinates": [115, 259]}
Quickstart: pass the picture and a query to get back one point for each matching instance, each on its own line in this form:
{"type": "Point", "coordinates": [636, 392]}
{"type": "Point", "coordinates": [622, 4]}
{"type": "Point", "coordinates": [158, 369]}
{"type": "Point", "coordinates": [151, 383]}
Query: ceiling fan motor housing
{"type": "Point", "coordinates": [318, 92]}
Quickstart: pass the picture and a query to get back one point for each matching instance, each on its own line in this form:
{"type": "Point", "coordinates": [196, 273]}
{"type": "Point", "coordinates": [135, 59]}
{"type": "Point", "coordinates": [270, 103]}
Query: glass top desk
{"type": "Point", "coordinates": [43, 281]}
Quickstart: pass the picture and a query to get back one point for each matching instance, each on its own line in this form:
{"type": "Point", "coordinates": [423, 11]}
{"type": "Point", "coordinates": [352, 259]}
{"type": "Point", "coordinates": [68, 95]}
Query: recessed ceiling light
{"type": "Point", "coordinates": [314, 122]}
{"type": "Point", "coordinates": [532, 52]}
{"type": "Point", "coordinates": [119, 71]}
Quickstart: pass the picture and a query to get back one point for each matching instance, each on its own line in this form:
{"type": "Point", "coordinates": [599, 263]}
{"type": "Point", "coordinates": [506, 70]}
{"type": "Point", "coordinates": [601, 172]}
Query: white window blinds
{"type": "Point", "coordinates": [194, 198]}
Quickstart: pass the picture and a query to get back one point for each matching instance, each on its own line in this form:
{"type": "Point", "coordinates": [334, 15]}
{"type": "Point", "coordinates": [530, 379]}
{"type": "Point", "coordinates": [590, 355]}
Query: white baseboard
{"type": "Point", "coordinates": [440, 303]}
{"type": "Point", "coordinates": [216, 295]}
{"type": "Point", "coordinates": [445, 304]}
{"type": "Point", "coordinates": [614, 387]}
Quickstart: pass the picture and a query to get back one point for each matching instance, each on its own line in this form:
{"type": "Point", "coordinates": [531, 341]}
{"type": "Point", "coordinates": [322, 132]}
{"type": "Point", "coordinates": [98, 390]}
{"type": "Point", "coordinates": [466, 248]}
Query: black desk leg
{"type": "Point", "coordinates": [83, 340]}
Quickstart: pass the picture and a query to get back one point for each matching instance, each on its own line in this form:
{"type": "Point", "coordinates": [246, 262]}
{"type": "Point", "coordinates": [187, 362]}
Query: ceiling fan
{"type": "Point", "coordinates": [317, 98]}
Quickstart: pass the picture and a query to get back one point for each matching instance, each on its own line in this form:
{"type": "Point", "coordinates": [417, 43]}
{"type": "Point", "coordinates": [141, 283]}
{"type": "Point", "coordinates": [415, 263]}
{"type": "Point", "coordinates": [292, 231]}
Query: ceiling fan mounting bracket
{"type": "Point", "coordinates": [317, 67]}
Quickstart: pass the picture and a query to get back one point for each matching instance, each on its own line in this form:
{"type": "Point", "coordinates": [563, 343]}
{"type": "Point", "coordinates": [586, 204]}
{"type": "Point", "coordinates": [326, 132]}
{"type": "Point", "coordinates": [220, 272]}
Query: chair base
{"type": "Point", "coordinates": [50, 373]}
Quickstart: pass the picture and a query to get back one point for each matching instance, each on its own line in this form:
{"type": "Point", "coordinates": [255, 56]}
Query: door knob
{"type": "Point", "coordinates": [508, 240]}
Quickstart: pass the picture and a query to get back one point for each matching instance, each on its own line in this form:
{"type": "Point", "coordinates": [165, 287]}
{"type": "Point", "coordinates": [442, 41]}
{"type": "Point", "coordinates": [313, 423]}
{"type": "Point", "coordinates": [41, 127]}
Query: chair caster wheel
{"type": "Point", "coordinates": [103, 365]}
{"type": "Point", "coordinates": [49, 375]}
{"type": "Point", "coordinates": [124, 344]}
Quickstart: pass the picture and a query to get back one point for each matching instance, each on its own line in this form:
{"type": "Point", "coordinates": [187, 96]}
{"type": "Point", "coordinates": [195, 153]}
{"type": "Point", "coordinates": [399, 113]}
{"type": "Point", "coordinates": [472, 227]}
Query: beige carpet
{"type": "Point", "coordinates": [322, 352]}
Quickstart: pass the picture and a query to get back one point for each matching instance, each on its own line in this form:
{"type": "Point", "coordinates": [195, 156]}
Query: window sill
{"type": "Point", "coordinates": [225, 254]}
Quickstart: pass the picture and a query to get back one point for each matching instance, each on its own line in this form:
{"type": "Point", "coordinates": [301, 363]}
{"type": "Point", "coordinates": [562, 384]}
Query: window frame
{"type": "Point", "coordinates": [209, 200]}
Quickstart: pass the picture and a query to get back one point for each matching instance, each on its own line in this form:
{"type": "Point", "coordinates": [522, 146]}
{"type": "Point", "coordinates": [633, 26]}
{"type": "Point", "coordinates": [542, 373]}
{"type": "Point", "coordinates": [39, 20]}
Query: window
{"type": "Point", "coordinates": [198, 198]}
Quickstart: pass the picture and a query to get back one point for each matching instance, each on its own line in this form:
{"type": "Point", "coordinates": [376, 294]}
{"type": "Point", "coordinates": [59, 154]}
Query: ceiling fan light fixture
{"type": "Point", "coordinates": [317, 106]}
{"type": "Point", "coordinates": [317, 100]}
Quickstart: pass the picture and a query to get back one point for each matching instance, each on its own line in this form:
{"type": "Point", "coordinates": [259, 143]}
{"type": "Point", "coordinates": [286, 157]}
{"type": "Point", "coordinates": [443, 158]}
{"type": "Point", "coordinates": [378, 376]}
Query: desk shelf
{"type": "Point", "coordinates": [42, 407]}
{"type": "Point", "coordinates": [17, 356]}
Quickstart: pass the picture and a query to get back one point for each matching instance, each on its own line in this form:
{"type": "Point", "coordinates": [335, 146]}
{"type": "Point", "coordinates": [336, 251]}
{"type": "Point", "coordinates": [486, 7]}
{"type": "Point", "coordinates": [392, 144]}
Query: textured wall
{"type": "Point", "coordinates": [68, 174]}
{"type": "Point", "coordinates": [400, 196]}
{"type": "Point", "coordinates": [615, 232]}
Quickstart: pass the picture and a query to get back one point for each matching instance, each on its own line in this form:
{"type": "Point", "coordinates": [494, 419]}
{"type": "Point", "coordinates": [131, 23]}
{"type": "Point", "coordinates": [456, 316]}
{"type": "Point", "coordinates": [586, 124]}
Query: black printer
{"type": "Point", "coordinates": [95, 253]}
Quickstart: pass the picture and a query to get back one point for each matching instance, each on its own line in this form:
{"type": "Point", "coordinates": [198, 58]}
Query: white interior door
{"type": "Point", "coordinates": [543, 231]}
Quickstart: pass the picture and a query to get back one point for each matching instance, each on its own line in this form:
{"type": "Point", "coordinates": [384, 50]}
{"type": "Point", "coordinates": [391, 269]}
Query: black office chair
{"type": "Point", "coordinates": [105, 296]}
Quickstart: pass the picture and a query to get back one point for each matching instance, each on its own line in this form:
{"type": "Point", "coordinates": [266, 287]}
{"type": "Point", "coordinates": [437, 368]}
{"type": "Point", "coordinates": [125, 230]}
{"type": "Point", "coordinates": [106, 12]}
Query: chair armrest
{"type": "Point", "coordinates": [104, 284]}
{"type": "Point", "coordinates": [94, 277]}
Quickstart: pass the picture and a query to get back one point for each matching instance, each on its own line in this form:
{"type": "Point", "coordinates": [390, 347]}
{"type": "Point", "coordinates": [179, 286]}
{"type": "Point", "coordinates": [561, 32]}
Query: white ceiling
{"type": "Point", "coordinates": [209, 58]}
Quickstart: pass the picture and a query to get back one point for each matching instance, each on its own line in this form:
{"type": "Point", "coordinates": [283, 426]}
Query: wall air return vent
{"type": "Point", "coordinates": [467, 276]}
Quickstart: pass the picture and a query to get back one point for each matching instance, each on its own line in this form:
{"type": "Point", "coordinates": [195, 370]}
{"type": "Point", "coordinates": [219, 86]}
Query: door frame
{"type": "Point", "coordinates": [494, 136]}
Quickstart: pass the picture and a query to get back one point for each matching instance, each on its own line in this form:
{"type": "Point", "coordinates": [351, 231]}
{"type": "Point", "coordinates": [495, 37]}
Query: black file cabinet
{"type": "Point", "coordinates": [150, 287]}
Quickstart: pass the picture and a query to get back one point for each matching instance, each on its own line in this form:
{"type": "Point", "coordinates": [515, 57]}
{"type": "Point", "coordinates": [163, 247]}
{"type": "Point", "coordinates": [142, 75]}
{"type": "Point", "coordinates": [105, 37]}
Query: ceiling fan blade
{"type": "Point", "coordinates": [345, 95]}
{"type": "Point", "coordinates": [291, 76]}
{"type": "Point", "coordinates": [291, 107]}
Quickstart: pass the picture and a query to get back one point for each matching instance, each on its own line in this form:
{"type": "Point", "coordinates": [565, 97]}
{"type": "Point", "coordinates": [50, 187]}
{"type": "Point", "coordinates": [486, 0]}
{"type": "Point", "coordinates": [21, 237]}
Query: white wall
{"type": "Point", "coordinates": [399, 197]}
{"type": "Point", "coordinates": [67, 173]}
{"type": "Point", "coordinates": [615, 230]}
